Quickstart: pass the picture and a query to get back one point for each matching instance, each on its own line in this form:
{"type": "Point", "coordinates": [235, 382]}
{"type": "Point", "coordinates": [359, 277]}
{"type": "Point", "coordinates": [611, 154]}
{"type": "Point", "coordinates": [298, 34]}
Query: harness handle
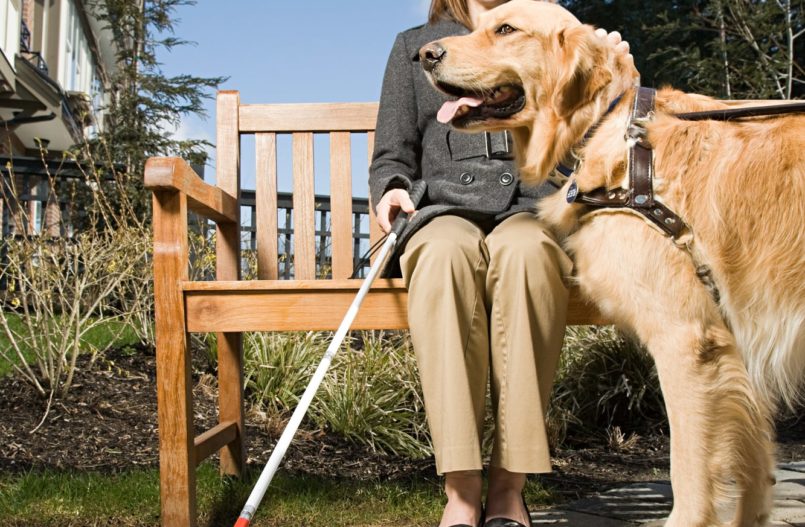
{"type": "Point", "coordinates": [738, 113]}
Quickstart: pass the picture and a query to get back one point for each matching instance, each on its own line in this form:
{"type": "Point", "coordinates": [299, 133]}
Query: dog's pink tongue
{"type": "Point", "coordinates": [449, 109]}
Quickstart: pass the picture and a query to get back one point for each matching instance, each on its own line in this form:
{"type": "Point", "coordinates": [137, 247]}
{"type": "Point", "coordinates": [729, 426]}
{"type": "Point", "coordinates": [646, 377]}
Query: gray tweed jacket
{"type": "Point", "coordinates": [467, 174]}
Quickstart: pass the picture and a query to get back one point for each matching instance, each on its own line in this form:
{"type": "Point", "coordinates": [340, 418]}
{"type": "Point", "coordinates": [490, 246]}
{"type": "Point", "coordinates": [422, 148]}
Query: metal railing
{"type": "Point", "coordinates": [323, 214]}
{"type": "Point", "coordinates": [25, 37]}
{"type": "Point", "coordinates": [33, 57]}
{"type": "Point", "coordinates": [31, 193]}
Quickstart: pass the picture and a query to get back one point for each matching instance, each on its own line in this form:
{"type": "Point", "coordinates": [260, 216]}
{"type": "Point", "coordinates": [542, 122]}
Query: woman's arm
{"type": "Point", "coordinates": [398, 143]}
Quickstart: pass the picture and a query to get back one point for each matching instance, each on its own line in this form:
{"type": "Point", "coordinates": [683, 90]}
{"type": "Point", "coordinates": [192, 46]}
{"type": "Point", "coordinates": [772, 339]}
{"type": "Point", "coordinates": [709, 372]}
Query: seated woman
{"type": "Point", "coordinates": [486, 282]}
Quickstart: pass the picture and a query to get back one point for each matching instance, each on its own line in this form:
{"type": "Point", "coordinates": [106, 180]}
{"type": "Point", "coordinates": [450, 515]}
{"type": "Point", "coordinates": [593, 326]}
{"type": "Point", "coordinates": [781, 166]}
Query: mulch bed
{"type": "Point", "coordinates": [107, 423]}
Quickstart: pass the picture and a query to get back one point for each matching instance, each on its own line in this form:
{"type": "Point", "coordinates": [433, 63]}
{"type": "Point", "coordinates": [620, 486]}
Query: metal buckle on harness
{"type": "Point", "coordinates": [637, 132]}
{"type": "Point", "coordinates": [505, 153]}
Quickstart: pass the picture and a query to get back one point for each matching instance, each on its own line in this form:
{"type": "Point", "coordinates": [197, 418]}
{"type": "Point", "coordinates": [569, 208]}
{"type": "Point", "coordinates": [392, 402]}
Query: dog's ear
{"type": "Point", "coordinates": [584, 71]}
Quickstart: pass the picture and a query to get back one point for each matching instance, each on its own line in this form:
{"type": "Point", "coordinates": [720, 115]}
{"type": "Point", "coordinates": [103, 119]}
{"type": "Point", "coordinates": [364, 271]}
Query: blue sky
{"type": "Point", "coordinates": [289, 51]}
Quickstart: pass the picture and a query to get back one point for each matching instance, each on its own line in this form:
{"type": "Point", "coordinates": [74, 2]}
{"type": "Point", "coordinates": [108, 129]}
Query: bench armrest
{"type": "Point", "coordinates": [175, 174]}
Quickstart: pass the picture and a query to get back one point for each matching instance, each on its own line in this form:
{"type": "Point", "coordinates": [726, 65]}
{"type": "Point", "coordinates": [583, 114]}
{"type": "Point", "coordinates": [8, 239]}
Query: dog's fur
{"type": "Point", "coordinates": [740, 186]}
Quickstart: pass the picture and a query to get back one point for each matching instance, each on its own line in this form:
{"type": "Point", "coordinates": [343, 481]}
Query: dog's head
{"type": "Point", "coordinates": [531, 67]}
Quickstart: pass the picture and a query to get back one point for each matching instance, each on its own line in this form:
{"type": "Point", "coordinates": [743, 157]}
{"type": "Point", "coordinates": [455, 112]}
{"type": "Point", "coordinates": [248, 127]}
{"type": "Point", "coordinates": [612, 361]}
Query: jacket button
{"type": "Point", "coordinates": [466, 178]}
{"type": "Point", "coordinates": [506, 179]}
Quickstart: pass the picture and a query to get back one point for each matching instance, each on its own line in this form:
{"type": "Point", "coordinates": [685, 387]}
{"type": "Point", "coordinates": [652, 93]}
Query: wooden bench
{"type": "Point", "coordinates": [228, 305]}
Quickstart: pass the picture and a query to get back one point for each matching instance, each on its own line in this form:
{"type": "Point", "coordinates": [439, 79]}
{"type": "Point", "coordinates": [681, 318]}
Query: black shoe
{"type": "Point", "coordinates": [503, 522]}
{"type": "Point", "coordinates": [480, 522]}
{"type": "Point", "coordinates": [506, 522]}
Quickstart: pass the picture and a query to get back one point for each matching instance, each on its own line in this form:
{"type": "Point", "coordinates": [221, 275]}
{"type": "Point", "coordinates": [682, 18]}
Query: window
{"type": "Point", "coordinates": [78, 71]}
{"type": "Point", "coordinates": [10, 28]}
{"type": "Point", "coordinates": [76, 57]}
{"type": "Point", "coordinates": [97, 100]}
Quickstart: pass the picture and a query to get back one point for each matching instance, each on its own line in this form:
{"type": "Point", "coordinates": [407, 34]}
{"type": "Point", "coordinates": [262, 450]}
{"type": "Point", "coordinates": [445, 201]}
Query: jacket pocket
{"type": "Point", "coordinates": [484, 144]}
{"type": "Point", "coordinates": [465, 146]}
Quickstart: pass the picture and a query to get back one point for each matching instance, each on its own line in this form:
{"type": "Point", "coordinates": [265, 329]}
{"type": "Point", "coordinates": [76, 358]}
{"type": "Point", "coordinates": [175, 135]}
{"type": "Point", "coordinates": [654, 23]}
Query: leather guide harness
{"type": "Point", "coordinates": [639, 197]}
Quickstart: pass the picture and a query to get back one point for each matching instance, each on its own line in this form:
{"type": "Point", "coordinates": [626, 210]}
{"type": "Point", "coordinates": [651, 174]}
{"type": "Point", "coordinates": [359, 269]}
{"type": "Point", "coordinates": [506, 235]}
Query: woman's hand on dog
{"type": "Point", "coordinates": [615, 40]}
{"type": "Point", "coordinates": [390, 205]}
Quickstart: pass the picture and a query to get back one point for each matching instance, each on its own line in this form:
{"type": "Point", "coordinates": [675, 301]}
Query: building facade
{"type": "Point", "coordinates": [56, 58]}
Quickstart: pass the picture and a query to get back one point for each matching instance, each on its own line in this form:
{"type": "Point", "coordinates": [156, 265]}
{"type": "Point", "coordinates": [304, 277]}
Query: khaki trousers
{"type": "Point", "coordinates": [487, 307]}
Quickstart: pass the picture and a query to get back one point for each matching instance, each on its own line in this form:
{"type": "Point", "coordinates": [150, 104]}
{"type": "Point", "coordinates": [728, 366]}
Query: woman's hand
{"type": "Point", "coordinates": [615, 40]}
{"type": "Point", "coordinates": [390, 206]}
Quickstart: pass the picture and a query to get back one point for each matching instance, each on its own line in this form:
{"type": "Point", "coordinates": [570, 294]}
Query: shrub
{"type": "Point", "coordinates": [62, 285]}
{"type": "Point", "coordinates": [604, 380]}
{"type": "Point", "coordinates": [278, 367]}
{"type": "Point", "coordinates": [62, 289]}
{"type": "Point", "coordinates": [606, 388]}
{"type": "Point", "coordinates": [372, 396]}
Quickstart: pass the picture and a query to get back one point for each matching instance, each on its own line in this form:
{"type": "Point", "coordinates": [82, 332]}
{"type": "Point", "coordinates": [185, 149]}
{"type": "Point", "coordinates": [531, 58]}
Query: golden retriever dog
{"type": "Point", "coordinates": [725, 362]}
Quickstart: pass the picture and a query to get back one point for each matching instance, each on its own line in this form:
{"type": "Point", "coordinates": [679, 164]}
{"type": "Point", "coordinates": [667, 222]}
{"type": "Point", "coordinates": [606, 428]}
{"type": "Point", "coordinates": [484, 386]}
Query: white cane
{"type": "Point", "coordinates": [278, 453]}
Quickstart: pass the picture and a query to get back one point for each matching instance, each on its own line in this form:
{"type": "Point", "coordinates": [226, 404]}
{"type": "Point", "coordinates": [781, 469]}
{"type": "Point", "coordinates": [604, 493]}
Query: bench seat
{"type": "Point", "coordinates": [304, 305]}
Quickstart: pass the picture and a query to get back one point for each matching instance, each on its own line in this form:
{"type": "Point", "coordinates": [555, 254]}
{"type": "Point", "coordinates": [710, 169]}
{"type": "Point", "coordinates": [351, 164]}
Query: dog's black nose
{"type": "Point", "coordinates": [431, 54]}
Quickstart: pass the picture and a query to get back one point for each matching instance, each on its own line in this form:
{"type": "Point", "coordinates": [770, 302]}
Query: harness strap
{"type": "Point", "coordinates": [641, 156]}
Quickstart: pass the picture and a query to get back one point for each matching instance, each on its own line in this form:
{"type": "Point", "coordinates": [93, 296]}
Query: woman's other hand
{"type": "Point", "coordinates": [390, 206]}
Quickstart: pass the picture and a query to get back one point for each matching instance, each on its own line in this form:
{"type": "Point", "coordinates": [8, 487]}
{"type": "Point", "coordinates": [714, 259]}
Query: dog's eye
{"type": "Point", "coordinates": [505, 29]}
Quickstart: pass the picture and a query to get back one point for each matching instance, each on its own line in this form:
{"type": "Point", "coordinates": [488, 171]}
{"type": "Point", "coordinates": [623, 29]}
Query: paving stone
{"type": "Point", "coordinates": [790, 511]}
{"type": "Point", "coordinates": [649, 504]}
{"type": "Point", "coordinates": [797, 466]}
{"type": "Point", "coordinates": [790, 489]}
{"type": "Point", "coordinates": [783, 474]}
{"type": "Point", "coordinates": [575, 519]}
{"type": "Point", "coordinates": [639, 503]}
{"type": "Point", "coordinates": [788, 492]}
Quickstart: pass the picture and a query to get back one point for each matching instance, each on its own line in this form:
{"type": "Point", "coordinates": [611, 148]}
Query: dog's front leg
{"type": "Point", "coordinates": [719, 434]}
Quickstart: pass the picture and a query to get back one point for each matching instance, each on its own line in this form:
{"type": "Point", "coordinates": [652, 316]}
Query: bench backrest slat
{"type": "Point", "coordinates": [304, 227]}
{"type": "Point", "coordinates": [306, 124]}
{"type": "Point", "coordinates": [341, 203]}
{"type": "Point", "coordinates": [266, 206]}
{"type": "Point", "coordinates": [227, 247]}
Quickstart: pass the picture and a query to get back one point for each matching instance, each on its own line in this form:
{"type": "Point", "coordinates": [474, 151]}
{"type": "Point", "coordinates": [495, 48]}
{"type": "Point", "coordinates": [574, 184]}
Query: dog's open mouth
{"type": "Point", "coordinates": [498, 103]}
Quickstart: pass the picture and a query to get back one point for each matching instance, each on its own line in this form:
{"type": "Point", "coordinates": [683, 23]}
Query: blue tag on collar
{"type": "Point", "coordinates": [572, 191]}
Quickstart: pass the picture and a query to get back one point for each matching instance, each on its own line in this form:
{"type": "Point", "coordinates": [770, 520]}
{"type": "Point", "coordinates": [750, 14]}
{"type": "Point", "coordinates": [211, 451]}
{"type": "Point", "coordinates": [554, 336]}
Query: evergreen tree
{"type": "Point", "coordinates": [725, 48]}
{"type": "Point", "coordinates": [145, 103]}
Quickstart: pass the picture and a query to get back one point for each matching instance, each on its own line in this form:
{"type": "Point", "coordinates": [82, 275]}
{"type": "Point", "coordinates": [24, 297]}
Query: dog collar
{"type": "Point", "coordinates": [562, 171]}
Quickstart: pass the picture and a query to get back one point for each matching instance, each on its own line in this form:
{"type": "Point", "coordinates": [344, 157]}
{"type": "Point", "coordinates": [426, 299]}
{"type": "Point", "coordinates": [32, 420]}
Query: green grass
{"type": "Point", "coordinates": [112, 333]}
{"type": "Point", "coordinates": [16, 325]}
{"type": "Point", "coordinates": [99, 337]}
{"type": "Point", "coordinates": [56, 499]}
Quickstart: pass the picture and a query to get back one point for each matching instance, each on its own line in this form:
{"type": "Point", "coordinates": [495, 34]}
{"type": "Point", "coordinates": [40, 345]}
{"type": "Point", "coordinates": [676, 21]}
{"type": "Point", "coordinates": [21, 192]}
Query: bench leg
{"type": "Point", "coordinates": [177, 467]}
{"type": "Point", "coordinates": [230, 399]}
